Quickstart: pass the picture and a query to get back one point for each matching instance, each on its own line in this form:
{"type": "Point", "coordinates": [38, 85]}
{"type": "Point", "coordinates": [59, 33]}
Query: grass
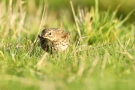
{"type": "Point", "coordinates": [101, 58]}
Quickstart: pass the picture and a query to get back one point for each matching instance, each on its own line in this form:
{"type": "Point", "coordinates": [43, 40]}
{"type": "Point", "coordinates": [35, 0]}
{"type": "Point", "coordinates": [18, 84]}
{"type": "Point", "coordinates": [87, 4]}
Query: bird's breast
{"type": "Point", "coordinates": [60, 46]}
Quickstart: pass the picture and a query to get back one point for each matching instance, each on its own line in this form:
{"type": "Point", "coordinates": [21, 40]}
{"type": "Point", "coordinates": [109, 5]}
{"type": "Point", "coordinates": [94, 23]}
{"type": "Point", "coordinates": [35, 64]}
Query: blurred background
{"type": "Point", "coordinates": [124, 7]}
{"type": "Point", "coordinates": [57, 7]}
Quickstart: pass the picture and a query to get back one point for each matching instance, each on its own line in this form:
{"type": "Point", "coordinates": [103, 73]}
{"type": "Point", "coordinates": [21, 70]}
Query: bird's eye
{"type": "Point", "coordinates": [50, 34]}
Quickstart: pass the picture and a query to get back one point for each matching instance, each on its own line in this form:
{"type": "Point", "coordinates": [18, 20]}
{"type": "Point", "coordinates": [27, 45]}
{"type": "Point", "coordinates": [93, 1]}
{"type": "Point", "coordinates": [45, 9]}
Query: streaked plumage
{"type": "Point", "coordinates": [54, 40]}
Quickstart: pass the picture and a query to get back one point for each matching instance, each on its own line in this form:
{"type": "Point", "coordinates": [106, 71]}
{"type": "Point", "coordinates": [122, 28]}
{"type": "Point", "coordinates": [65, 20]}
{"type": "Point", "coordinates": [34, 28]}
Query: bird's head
{"type": "Point", "coordinates": [49, 34]}
{"type": "Point", "coordinates": [54, 34]}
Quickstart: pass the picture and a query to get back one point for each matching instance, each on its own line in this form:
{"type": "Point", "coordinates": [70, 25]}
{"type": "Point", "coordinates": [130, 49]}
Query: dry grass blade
{"type": "Point", "coordinates": [75, 19]}
{"type": "Point", "coordinates": [94, 64]}
{"type": "Point", "coordinates": [10, 6]}
{"type": "Point", "coordinates": [39, 64]}
{"type": "Point", "coordinates": [32, 46]}
{"type": "Point", "coordinates": [81, 67]}
{"type": "Point", "coordinates": [2, 55]}
{"type": "Point", "coordinates": [104, 62]}
{"type": "Point", "coordinates": [125, 51]}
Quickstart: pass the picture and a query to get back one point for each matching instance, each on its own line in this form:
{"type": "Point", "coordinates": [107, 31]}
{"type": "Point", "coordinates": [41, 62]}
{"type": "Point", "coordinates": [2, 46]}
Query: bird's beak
{"type": "Point", "coordinates": [44, 36]}
{"type": "Point", "coordinates": [39, 36]}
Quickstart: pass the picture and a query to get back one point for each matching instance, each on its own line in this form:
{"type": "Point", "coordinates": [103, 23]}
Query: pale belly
{"type": "Point", "coordinates": [63, 47]}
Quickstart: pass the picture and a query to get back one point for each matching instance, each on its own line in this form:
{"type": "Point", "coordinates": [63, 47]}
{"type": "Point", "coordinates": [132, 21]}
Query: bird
{"type": "Point", "coordinates": [54, 40]}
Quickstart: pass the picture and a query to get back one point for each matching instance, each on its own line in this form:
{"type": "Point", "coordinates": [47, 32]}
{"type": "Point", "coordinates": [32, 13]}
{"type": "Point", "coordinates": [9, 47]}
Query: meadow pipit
{"type": "Point", "coordinates": [54, 40]}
